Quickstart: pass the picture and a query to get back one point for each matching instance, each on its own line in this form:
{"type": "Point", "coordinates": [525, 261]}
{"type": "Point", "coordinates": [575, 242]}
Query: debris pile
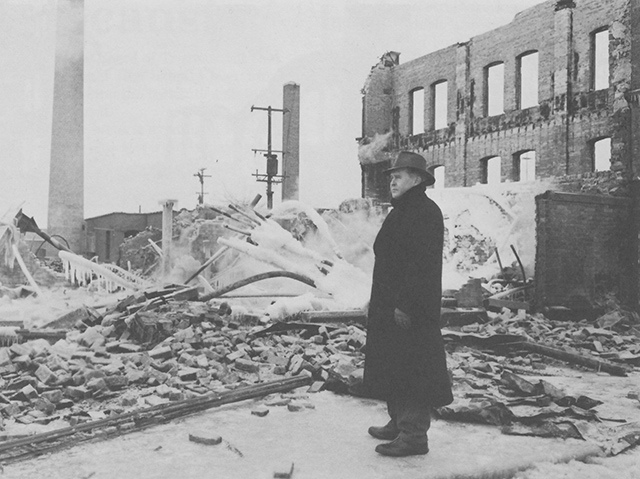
{"type": "Point", "coordinates": [137, 253]}
{"type": "Point", "coordinates": [488, 391]}
{"type": "Point", "coordinates": [179, 351]}
{"type": "Point", "coordinates": [612, 337]}
{"type": "Point", "coordinates": [145, 354]}
{"type": "Point", "coordinates": [487, 361]}
{"type": "Point", "coordinates": [168, 350]}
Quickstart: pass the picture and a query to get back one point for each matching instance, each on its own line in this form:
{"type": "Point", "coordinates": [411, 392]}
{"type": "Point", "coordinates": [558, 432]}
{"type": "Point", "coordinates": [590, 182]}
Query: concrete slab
{"type": "Point", "coordinates": [330, 441]}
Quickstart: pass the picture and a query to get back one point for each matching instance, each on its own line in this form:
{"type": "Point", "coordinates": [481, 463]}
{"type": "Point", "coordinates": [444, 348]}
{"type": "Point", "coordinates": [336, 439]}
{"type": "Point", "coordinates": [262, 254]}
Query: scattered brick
{"type": "Point", "coordinates": [206, 440]}
{"type": "Point", "coordinates": [11, 410]}
{"type": "Point", "coordinates": [188, 374]}
{"type": "Point", "coordinates": [260, 411]}
{"type": "Point", "coordinates": [18, 349]}
{"type": "Point", "coordinates": [127, 347]}
{"type": "Point", "coordinates": [163, 352]}
{"type": "Point", "coordinates": [284, 472]}
{"type": "Point", "coordinates": [76, 392]}
{"type": "Point", "coordinates": [29, 392]}
{"type": "Point", "coordinates": [317, 386]}
{"type": "Point", "coordinates": [42, 404]}
{"type": "Point", "coordinates": [295, 407]}
{"type": "Point", "coordinates": [247, 365]}
{"type": "Point", "coordinates": [44, 374]}
{"type": "Point", "coordinates": [116, 381]}
{"type": "Point", "coordinates": [54, 396]}
{"type": "Point", "coordinates": [96, 384]}
{"type": "Point", "coordinates": [154, 400]}
{"type": "Point", "coordinates": [235, 355]}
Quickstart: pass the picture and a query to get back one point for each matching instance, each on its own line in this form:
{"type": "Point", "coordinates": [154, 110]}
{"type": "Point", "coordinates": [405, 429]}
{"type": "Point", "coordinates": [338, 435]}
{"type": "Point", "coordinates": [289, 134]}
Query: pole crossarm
{"type": "Point", "coordinates": [268, 108]}
{"type": "Point", "coordinates": [256, 150]}
{"type": "Point", "coordinates": [262, 178]}
{"type": "Point", "coordinates": [201, 176]}
{"type": "Point", "coordinates": [271, 177]}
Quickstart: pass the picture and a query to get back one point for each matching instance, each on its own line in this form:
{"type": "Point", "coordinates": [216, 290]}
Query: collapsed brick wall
{"type": "Point", "coordinates": [583, 251]}
{"type": "Point", "coordinates": [561, 129]}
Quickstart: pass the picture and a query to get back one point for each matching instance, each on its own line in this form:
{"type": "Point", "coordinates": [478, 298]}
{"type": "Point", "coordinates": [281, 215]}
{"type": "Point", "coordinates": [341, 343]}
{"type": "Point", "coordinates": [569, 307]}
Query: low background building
{"type": "Point", "coordinates": [105, 233]}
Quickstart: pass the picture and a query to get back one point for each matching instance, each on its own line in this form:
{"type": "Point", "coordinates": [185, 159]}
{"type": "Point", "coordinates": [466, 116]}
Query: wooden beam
{"type": "Point", "coordinates": [574, 358]}
{"type": "Point", "coordinates": [149, 416]}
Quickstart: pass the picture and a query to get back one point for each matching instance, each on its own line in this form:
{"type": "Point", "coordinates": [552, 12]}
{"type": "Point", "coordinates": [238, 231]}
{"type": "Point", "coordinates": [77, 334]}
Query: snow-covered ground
{"type": "Point", "coordinates": [328, 439]}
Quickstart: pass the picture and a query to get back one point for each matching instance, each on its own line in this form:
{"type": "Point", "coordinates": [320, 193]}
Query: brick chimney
{"type": "Point", "coordinates": [66, 174]}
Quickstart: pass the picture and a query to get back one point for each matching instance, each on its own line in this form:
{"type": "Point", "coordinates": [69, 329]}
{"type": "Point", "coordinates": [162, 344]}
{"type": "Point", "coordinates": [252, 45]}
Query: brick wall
{"type": "Point", "coordinates": [583, 250]}
{"type": "Point", "coordinates": [561, 128]}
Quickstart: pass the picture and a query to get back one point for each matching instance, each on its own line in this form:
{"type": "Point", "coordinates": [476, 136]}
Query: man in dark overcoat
{"type": "Point", "coordinates": [405, 361]}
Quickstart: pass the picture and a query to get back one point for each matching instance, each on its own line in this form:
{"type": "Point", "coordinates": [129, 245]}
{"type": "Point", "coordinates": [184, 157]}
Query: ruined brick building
{"type": "Point", "coordinates": [548, 95]}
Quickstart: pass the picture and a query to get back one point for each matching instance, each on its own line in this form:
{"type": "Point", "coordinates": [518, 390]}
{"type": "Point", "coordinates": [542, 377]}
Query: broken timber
{"type": "Point", "coordinates": [514, 341]}
{"type": "Point", "coordinates": [357, 315]}
{"type": "Point", "coordinates": [23, 448]}
{"type": "Point", "coordinates": [597, 364]}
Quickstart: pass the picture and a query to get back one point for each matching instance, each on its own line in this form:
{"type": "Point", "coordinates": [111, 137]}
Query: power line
{"type": "Point", "coordinates": [271, 176]}
{"type": "Point", "coordinates": [201, 176]}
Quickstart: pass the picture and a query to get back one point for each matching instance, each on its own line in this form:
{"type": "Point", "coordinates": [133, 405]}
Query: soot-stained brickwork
{"type": "Point", "coordinates": [584, 250]}
{"type": "Point", "coordinates": [571, 112]}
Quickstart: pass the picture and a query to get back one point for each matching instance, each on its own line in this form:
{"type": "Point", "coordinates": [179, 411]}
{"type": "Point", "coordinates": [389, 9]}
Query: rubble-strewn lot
{"type": "Point", "coordinates": [110, 364]}
{"type": "Point", "coordinates": [143, 350]}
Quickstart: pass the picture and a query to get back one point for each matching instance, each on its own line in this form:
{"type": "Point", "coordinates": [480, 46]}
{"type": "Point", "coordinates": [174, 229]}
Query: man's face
{"type": "Point", "coordinates": [402, 180]}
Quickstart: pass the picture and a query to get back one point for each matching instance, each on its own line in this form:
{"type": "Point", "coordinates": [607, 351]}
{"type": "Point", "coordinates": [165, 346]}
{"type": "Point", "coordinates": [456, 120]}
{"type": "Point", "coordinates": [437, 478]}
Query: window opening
{"type": "Point", "coordinates": [602, 154]}
{"type": "Point", "coordinates": [417, 111]}
{"type": "Point", "coordinates": [526, 166]}
{"type": "Point", "coordinates": [528, 80]}
{"type": "Point", "coordinates": [495, 89]}
{"type": "Point", "coordinates": [440, 105]}
{"type": "Point", "coordinates": [600, 60]}
{"type": "Point", "coordinates": [438, 173]}
{"type": "Point", "coordinates": [492, 174]}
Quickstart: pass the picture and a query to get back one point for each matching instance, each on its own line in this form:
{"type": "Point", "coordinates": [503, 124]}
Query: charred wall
{"type": "Point", "coordinates": [561, 128]}
{"type": "Point", "coordinates": [584, 250]}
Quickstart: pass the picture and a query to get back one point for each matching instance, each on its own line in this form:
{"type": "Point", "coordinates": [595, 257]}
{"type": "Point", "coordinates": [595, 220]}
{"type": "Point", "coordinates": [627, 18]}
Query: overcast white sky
{"type": "Point", "coordinates": [169, 85]}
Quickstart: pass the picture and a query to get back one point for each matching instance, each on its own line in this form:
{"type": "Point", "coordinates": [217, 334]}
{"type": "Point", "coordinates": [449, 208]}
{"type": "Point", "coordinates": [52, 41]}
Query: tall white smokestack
{"type": "Point", "coordinates": [66, 174]}
{"type": "Point", "coordinates": [291, 141]}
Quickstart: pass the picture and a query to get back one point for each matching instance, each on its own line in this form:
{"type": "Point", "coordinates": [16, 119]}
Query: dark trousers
{"type": "Point", "coordinates": [411, 417]}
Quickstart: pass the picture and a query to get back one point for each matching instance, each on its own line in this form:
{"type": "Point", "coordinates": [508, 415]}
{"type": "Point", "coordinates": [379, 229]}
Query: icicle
{"type": "Point", "coordinates": [81, 270]}
{"type": "Point", "coordinates": [25, 270]}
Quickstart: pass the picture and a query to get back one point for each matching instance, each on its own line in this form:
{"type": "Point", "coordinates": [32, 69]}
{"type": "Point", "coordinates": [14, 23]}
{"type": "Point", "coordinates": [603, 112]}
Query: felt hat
{"type": "Point", "coordinates": [409, 159]}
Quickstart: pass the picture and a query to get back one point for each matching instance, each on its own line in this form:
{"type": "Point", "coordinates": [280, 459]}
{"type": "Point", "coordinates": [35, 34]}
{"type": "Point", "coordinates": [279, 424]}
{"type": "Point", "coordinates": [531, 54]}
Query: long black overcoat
{"type": "Point", "coordinates": [408, 275]}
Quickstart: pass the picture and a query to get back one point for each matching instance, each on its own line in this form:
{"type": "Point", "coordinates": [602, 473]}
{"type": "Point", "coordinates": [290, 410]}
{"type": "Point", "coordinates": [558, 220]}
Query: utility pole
{"type": "Point", "coordinates": [272, 160]}
{"type": "Point", "coordinates": [201, 176]}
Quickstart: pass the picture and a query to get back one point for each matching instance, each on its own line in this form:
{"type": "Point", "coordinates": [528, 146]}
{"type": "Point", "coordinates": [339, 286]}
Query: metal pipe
{"type": "Point", "coordinates": [258, 277]}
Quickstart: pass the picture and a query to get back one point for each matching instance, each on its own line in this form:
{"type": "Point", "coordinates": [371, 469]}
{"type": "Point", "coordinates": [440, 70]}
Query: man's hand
{"type": "Point", "coordinates": [402, 320]}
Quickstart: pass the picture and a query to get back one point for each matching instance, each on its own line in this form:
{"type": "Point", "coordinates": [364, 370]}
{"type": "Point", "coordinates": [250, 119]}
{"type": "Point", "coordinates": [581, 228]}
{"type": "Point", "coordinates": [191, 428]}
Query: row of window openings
{"type": "Point", "coordinates": [525, 165]}
{"type": "Point", "coordinates": [527, 86]}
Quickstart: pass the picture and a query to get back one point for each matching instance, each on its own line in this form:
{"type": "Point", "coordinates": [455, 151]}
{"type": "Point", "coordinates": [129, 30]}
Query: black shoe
{"type": "Point", "coordinates": [400, 448]}
{"type": "Point", "coordinates": [386, 433]}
